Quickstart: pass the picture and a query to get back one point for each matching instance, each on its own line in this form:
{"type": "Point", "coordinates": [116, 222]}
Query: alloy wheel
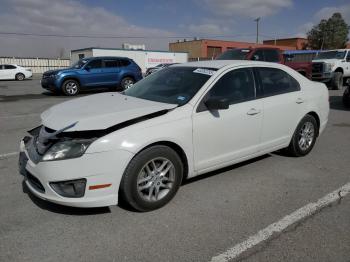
{"type": "Point", "coordinates": [156, 179]}
{"type": "Point", "coordinates": [306, 136]}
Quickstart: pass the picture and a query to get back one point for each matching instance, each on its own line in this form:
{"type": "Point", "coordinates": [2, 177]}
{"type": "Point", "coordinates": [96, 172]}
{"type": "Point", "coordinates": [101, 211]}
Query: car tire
{"type": "Point", "coordinates": [70, 87]}
{"type": "Point", "coordinates": [304, 137]}
{"type": "Point", "coordinates": [127, 82]}
{"type": "Point", "coordinates": [346, 97]}
{"type": "Point", "coordinates": [337, 81]}
{"type": "Point", "coordinates": [20, 77]}
{"type": "Point", "coordinates": [144, 186]}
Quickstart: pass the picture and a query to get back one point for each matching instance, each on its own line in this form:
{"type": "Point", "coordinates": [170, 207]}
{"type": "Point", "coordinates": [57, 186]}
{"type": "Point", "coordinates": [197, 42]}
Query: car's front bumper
{"type": "Point", "coordinates": [322, 77]}
{"type": "Point", "coordinates": [49, 83]}
{"type": "Point", "coordinates": [97, 168]}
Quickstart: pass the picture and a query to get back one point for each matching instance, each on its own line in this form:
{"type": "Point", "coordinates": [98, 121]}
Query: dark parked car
{"type": "Point", "coordinates": [94, 72]}
{"type": "Point", "coordinates": [267, 54]}
{"type": "Point", "coordinates": [151, 70]}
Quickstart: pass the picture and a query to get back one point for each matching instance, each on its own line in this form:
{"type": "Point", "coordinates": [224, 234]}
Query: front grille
{"type": "Point", "coordinates": [34, 182]}
{"type": "Point", "coordinates": [317, 68]}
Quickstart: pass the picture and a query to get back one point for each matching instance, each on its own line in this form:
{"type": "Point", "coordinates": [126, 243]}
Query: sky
{"type": "Point", "coordinates": [154, 23]}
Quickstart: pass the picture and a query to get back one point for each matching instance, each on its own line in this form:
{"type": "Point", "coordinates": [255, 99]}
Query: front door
{"type": "Point", "coordinates": [92, 75]}
{"type": "Point", "coordinates": [222, 136]}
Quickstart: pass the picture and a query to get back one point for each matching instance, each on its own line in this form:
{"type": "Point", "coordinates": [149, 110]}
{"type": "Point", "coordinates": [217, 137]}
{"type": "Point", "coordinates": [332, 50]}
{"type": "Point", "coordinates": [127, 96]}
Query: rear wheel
{"type": "Point", "coordinates": [20, 77]}
{"type": "Point", "coordinates": [304, 137]}
{"type": "Point", "coordinates": [70, 87]}
{"type": "Point", "coordinates": [337, 81]}
{"type": "Point", "coordinates": [152, 178]}
{"type": "Point", "coordinates": [127, 82]}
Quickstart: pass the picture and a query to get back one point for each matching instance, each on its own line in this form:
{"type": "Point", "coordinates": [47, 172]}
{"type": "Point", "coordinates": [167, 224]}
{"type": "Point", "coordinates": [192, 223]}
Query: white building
{"type": "Point", "coordinates": [144, 58]}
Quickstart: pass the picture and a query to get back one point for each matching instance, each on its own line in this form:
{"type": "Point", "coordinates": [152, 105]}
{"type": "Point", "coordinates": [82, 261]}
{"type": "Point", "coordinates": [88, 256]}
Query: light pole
{"type": "Point", "coordinates": [257, 29]}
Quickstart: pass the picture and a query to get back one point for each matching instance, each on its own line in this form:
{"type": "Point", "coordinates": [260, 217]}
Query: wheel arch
{"type": "Point", "coordinates": [69, 77]}
{"type": "Point", "coordinates": [178, 149]}
{"type": "Point", "coordinates": [339, 69]}
{"type": "Point", "coordinates": [317, 118]}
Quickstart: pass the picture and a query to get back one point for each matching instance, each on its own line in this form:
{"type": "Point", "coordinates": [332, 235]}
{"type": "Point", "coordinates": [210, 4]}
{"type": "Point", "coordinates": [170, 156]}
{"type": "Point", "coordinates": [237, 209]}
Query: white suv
{"type": "Point", "coordinates": [14, 72]}
{"type": "Point", "coordinates": [332, 67]}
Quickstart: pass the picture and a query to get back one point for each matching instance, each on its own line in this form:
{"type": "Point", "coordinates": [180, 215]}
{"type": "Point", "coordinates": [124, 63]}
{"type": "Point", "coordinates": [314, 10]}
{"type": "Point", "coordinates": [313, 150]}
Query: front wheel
{"type": "Point", "coordinates": [337, 81]}
{"type": "Point", "coordinates": [304, 137]}
{"type": "Point", "coordinates": [70, 87]}
{"type": "Point", "coordinates": [127, 82]}
{"type": "Point", "coordinates": [152, 178]}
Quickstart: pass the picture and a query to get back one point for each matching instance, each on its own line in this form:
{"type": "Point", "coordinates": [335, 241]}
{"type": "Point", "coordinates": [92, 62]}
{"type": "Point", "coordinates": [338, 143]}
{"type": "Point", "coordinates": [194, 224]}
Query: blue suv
{"type": "Point", "coordinates": [93, 72]}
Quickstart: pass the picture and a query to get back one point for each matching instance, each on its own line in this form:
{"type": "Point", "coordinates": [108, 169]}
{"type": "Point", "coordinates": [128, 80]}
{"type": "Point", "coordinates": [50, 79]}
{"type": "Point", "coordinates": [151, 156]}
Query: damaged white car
{"type": "Point", "coordinates": [180, 122]}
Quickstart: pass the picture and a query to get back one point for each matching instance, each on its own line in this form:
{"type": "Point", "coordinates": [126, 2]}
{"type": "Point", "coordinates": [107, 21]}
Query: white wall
{"type": "Point", "coordinates": [38, 65]}
{"type": "Point", "coordinates": [144, 59]}
{"type": "Point", "coordinates": [74, 56]}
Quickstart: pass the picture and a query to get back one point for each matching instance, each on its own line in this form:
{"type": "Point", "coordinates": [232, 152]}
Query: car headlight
{"type": "Point", "coordinates": [67, 149]}
{"type": "Point", "coordinates": [328, 67]}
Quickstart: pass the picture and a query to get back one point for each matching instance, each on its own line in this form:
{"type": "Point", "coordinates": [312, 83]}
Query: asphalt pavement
{"type": "Point", "coordinates": [209, 214]}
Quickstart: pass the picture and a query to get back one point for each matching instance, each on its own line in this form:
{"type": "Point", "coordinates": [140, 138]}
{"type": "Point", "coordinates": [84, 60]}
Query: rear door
{"type": "Point", "coordinates": [9, 71]}
{"type": "Point", "coordinates": [111, 71]}
{"type": "Point", "coordinates": [282, 104]}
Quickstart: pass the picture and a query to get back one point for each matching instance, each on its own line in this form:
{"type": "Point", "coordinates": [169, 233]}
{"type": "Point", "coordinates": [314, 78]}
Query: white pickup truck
{"type": "Point", "coordinates": [332, 67]}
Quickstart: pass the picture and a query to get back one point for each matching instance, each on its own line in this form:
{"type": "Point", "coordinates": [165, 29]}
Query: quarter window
{"type": "Point", "coordinates": [275, 81]}
{"type": "Point", "coordinates": [271, 55]}
{"type": "Point", "coordinates": [124, 62]}
{"type": "Point", "coordinates": [236, 86]}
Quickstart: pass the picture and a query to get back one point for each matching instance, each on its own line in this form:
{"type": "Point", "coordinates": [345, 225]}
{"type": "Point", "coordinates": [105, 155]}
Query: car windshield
{"type": "Point", "coordinates": [234, 54]}
{"type": "Point", "coordinates": [331, 55]}
{"type": "Point", "coordinates": [172, 85]}
{"type": "Point", "coordinates": [80, 63]}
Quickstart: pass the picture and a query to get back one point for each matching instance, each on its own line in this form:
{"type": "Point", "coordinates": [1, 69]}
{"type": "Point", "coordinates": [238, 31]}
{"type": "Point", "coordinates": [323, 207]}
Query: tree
{"type": "Point", "coordinates": [330, 33]}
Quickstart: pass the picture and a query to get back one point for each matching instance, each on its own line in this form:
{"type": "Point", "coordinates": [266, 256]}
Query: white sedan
{"type": "Point", "coordinates": [180, 122]}
{"type": "Point", "coordinates": [14, 72]}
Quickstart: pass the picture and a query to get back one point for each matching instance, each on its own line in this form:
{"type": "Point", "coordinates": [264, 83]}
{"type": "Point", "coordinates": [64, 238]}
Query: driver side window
{"type": "Point", "coordinates": [236, 86]}
{"type": "Point", "coordinates": [94, 64]}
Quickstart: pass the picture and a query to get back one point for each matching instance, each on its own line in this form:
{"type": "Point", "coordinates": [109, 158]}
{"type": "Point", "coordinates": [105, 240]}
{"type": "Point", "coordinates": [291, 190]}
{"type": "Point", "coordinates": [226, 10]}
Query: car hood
{"type": "Point", "coordinates": [98, 112]}
{"type": "Point", "coordinates": [57, 71]}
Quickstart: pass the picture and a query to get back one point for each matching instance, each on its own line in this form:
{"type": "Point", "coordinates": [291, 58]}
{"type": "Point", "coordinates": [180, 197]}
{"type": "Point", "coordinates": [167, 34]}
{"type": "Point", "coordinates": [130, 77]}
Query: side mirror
{"type": "Point", "coordinates": [87, 68]}
{"type": "Point", "coordinates": [215, 103]}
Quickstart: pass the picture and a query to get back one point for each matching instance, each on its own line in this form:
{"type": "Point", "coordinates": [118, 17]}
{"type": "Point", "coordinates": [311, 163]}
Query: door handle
{"type": "Point", "coordinates": [253, 112]}
{"type": "Point", "coordinates": [299, 101]}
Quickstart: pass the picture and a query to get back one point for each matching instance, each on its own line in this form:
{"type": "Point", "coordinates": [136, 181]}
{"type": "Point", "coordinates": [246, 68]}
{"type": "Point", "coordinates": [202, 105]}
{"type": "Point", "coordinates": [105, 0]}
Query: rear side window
{"type": "Point", "coordinates": [237, 86]}
{"type": "Point", "coordinates": [124, 62]}
{"type": "Point", "coordinates": [9, 67]}
{"type": "Point", "coordinates": [111, 63]}
{"type": "Point", "coordinates": [276, 81]}
{"type": "Point", "coordinates": [258, 55]}
{"type": "Point", "coordinates": [97, 63]}
{"type": "Point", "coordinates": [271, 55]}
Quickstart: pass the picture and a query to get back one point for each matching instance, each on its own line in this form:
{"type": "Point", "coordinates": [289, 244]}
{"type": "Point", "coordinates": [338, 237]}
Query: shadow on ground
{"type": "Point", "coordinates": [336, 103]}
{"type": "Point", "coordinates": [75, 211]}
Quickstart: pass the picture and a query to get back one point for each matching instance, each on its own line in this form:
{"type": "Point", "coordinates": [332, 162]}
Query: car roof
{"type": "Point", "coordinates": [222, 63]}
{"type": "Point", "coordinates": [106, 57]}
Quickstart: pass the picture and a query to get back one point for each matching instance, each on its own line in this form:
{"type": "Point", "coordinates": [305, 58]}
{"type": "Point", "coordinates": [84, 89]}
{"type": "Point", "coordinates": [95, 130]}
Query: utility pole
{"type": "Point", "coordinates": [257, 29]}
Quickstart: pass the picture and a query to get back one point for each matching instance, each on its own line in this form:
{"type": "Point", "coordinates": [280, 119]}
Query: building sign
{"type": "Point", "coordinates": [154, 59]}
